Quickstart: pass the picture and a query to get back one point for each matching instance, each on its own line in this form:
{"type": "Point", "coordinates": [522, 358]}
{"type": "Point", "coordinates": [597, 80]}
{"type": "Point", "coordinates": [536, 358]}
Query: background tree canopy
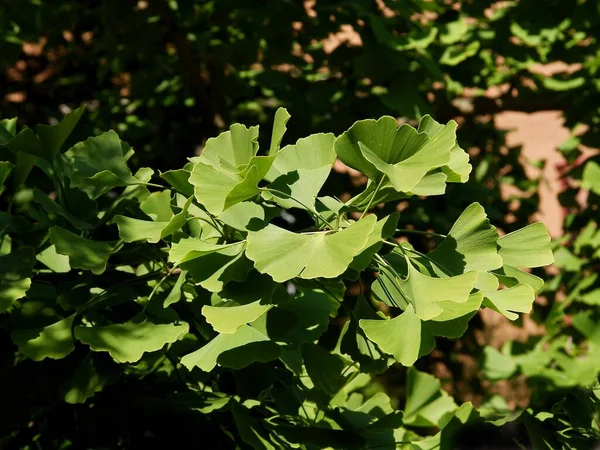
{"type": "Point", "coordinates": [169, 75]}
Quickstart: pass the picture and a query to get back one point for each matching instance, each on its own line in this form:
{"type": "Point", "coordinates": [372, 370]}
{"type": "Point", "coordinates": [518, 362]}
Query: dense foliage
{"type": "Point", "coordinates": [202, 300]}
{"type": "Point", "coordinates": [168, 75]}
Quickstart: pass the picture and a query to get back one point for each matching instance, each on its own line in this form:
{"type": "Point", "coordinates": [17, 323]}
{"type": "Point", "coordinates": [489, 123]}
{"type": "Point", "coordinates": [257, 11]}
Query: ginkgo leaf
{"type": "Point", "coordinates": [285, 255]}
{"type": "Point", "coordinates": [297, 189]}
{"type": "Point", "coordinates": [83, 253]}
{"type": "Point", "coordinates": [281, 118]}
{"type": "Point", "coordinates": [98, 164]}
{"type": "Point", "coordinates": [179, 179]}
{"type": "Point", "coordinates": [426, 401]}
{"type": "Point", "coordinates": [89, 378]}
{"type": "Point", "coordinates": [55, 262]}
{"type": "Point", "coordinates": [189, 248]}
{"type": "Point", "coordinates": [433, 183]}
{"type": "Point", "coordinates": [212, 266]}
{"type": "Point", "coordinates": [407, 174]}
{"type": "Point", "coordinates": [324, 369]}
{"type": "Point", "coordinates": [127, 342]}
{"type": "Point", "coordinates": [131, 230]}
{"type": "Point", "coordinates": [49, 139]}
{"type": "Point", "coordinates": [527, 247]}
{"type": "Point", "coordinates": [511, 276]}
{"type": "Point", "coordinates": [309, 153]}
{"type": "Point", "coordinates": [175, 294]}
{"type": "Point", "coordinates": [403, 154]}
{"type": "Point", "coordinates": [234, 147]}
{"type": "Point", "coordinates": [218, 189]}
{"type": "Point", "coordinates": [5, 170]}
{"type": "Point", "coordinates": [227, 318]}
{"type": "Point", "coordinates": [591, 177]}
{"type": "Point", "coordinates": [243, 216]}
{"type": "Point", "coordinates": [11, 291]}
{"type": "Point", "coordinates": [471, 244]}
{"type": "Point", "coordinates": [458, 168]}
{"type": "Point", "coordinates": [402, 337]}
{"type": "Point", "coordinates": [15, 273]}
{"type": "Point", "coordinates": [382, 230]}
{"type": "Point", "coordinates": [52, 207]}
{"type": "Point", "coordinates": [206, 358]}
{"type": "Point", "coordinates": [455, 310]}
{"type": "Point", "coordinates": [428, 295]}
{"type": "Point", "coordinates": [508, 301]}
{"type": "Point", "coordinates": [157, 206]}
{"type": "Point", "coordinates": [53, 341]}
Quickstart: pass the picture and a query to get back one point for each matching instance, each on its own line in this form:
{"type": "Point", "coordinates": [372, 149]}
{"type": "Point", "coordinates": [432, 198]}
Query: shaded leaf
{"type": "Point", "coordinates": [83, 253]}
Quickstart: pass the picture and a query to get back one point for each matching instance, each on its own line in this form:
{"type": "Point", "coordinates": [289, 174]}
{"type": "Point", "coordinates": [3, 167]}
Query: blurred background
{"type": "Point", "coordinates": [519, 77]}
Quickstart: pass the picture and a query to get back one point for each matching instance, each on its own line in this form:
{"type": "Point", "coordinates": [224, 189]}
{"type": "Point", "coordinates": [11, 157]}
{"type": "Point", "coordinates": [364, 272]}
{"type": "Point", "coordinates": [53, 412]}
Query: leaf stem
{"type": "Point", "coordinates": [312, 211]}
{"type": "Point", "coordinates": [377, 188]}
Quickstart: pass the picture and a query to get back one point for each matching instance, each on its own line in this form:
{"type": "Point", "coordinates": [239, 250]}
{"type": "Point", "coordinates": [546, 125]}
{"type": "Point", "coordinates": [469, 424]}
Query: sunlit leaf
{"type": "Point", "coordinates": [527, 247]}
{"type": "Point", "coordinates": [127, 342]}
{"type": "Point", "coordinates": [53, 341]}
{"type": "Point", "coordinates": [285, 255]}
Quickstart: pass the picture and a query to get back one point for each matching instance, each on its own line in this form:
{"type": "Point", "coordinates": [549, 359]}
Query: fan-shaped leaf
{"type": "Point", "coordinates": [53, 341]}
{"type": "Point", "coordinates": [285, 255]}
{"type": "Point", "coordinates": [527, 247]}
{"type": "Point", "coordinates": [127, 342]}
{"type": "Point", "coordinates": [402, 337]}
{"type": "Point", "coordinates": [83, 253]}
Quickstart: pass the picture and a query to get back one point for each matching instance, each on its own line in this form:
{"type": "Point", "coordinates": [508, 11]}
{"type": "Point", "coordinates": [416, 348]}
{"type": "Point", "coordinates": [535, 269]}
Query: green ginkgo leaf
{"type": "Point", "coordinates": [402, 337]}
{"type": "Point", "coordinates": [234, 148]}
{"type": "Point", "coordinates": [49, 139]}
{"type": "Point", "coordinates": [11, 291]}
{"type": "Point", "coordinates": [5, 170]}
{"type": "Point", "coordinates": [127, 342]}
{"type": "Point", "coordinates": [471, 244]}
{"type": "Point", "coordinates": [90, 377]}
{"type": "Point", "coordinates": [176, 292]}
{"type": "Point", "coordinates": [227, 318]}
{"type": "Point", "coordinates": [15, 276]}
{"type": "Point", "coordinates": [297, 189]}
{"type": "Point", "coordinates": [52, 207]}
{"type": "Point", "coordinates": [83, 253]}
{"type": "Point", "coordinates": [509, 301]}
{"type": "Point", "coordinates": [98, 164]}
{"type": "Point", "coordinates": [206, 358]}
{"type": "Point", "coordinates": [218, 189]}
{"type": "Point", "coordinates": [403, 155]}
{"type": "Point", "coordinates": [131, 230]}
{"type": "Point", "coordinates": [243, 216]}
{"type": "Point", "coordinates": [309, 153]}
{"type": "Point", "coordinates": [210, 265]}
{"type": "Point", "coordinates": [281, 118]}
{"type": "Point", "coordinates": [55, 262]}
{"type": "Point", "coordinates": [382, 230]}
{"type": "Point", "coordinates": [285, 255]}
{"type": "Point", "coordinates": [53, 341]}
{"type": "Point", "coordinates": [426, 401]}
{"type": "Point", "coordinates": [179, 179]}
{"type": "Point", "coordinates": [527, 247]}
{"type": "Point", "coordinates": [591, 177]}
{"type": "Point", "coordinates": [428, 295]}
{"type": "Point", "coordinates": [458, 168]}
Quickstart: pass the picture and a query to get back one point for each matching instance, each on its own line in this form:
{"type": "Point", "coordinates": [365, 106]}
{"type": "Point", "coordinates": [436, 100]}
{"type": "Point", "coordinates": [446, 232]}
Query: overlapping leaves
{"type": "Point", "coordinates": [205, 277]}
